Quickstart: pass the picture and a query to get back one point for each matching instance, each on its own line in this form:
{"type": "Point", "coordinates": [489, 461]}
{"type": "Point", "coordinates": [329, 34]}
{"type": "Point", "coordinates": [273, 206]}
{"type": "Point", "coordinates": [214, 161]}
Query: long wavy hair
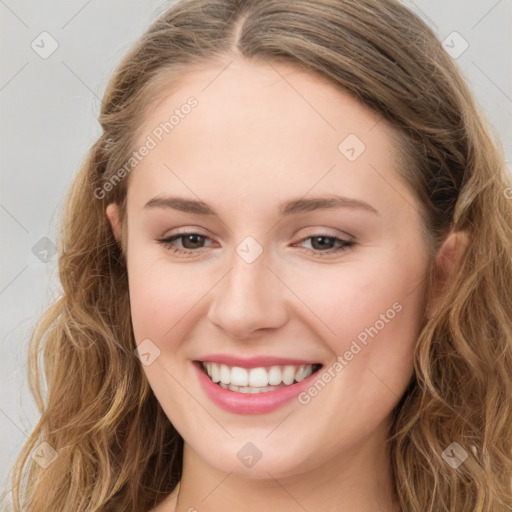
{"type": "Point", "coordinates": [117, 450]}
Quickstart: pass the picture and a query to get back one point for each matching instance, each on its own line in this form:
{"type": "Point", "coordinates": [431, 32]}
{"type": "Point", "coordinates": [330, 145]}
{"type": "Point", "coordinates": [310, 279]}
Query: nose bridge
{"type": "Point", "coordinates": [250, 297]}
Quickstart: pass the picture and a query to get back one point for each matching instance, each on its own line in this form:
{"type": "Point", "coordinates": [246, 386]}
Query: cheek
{"type": "Point", "coordinates": [371, 314]}
{"type": "Point", "coordinates": [161, 297]}
{"type": "Point", "coordinates": [374, 314]}
{"type": "Point", "coordinates": [167, 300]}
{"type": "Point", "coordinates": [160, 293]}
{"type": "Point", "coordinates": [356, 298]}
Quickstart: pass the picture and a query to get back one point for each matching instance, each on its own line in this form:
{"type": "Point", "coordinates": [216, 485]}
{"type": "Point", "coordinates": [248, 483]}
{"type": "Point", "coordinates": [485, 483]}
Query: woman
{"type": "Point", "coordinates": [286, 270]}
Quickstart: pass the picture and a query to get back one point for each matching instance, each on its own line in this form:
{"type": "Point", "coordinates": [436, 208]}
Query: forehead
{"type": "Point", "coordinates": [261, 126]}
{"type": "Point", "coordinates": [269, 93]}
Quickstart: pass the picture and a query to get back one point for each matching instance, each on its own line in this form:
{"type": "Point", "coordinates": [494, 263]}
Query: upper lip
{"type": "Point", "coordinates": [253, 362]}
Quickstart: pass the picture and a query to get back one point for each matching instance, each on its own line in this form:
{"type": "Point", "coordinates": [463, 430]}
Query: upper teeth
{"type": "Point", "coordinates": [257, 377]}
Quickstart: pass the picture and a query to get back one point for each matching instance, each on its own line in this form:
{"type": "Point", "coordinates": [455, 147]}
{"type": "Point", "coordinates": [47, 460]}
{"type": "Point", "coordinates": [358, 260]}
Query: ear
{"type": "Point", "coordinates": [450, 251]}
{"type": "Point", "coordinates": [112, 212]}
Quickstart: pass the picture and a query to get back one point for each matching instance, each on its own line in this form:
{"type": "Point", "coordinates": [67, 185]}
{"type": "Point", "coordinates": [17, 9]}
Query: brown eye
{"type": "Point", "coordinates": [322, 242]}
{"type": "Point", "coordinates": [190, 242]}
{"type": "Point", "coordinates": [325, 244]}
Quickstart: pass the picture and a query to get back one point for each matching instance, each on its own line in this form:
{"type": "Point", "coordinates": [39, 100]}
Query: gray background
{"type": "Point", "coordinates": [49, 111]}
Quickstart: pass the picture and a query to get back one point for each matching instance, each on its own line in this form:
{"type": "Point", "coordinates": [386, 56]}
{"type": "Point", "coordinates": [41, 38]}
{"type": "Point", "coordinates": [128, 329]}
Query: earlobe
{"type": "Point", "coordinates": [112, 212]}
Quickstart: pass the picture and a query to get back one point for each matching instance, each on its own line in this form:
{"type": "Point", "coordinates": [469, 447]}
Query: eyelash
{"type": "Point", "coordinates": [168, 243]}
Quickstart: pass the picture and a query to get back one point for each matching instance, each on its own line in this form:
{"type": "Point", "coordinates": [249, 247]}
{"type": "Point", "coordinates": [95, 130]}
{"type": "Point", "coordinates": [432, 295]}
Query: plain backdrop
{"type": "Point", "coordinates": [49, 107]}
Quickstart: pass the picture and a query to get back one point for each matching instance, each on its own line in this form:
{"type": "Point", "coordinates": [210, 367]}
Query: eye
{"type": "Point", "coordinates": [323, 244]}
{"type": "Point", "coordinates": [190, 242]}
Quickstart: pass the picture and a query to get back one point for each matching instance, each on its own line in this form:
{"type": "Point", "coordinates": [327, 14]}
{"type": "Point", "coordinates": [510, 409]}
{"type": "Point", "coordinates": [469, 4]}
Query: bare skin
{"type": "Point", "coordinates": [262, 135]}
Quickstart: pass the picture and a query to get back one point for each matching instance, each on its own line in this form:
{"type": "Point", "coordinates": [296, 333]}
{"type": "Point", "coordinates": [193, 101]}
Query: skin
{"type": "Point", "coordinates": [261, 135]}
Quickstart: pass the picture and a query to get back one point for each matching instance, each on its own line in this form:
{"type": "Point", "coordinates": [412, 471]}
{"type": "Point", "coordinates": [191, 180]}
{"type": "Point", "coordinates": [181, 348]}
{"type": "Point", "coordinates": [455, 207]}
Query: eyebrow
{"type": "Point", "coordinates": [295, 206]}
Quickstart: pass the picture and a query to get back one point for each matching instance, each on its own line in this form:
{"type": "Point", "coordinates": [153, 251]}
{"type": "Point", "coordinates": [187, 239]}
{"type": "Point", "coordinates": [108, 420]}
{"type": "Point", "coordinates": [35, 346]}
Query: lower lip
{"type": "Point", "coordinates": [250, 403]}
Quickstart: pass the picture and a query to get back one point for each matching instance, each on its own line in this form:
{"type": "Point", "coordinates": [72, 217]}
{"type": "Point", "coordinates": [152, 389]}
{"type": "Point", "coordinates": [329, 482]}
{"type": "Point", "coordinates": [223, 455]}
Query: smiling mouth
{"type": "Point", "coordinates": [256, 380]}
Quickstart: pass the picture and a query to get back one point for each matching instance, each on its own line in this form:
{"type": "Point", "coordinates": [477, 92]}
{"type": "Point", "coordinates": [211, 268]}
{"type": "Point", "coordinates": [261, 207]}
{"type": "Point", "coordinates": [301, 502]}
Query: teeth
{"type": "Point", "coordinates": [289, 374]}
{"type": "Point", "coordinates": [214, 372]}
{"type": "Point", "coordinates": [258, 377]}
{"type": "Point", "coordinates": [255, 380]}
{"type": "Point", "coordinates": [275, 376]}
{"type": "Point", "coordinates": [225, 374]}
{"type": "Point", "coordinates": [239, 377]}
{"type": "Point", "coordinates": [247, 389]}
{"type": "Point", "coordinates": [301, 374]}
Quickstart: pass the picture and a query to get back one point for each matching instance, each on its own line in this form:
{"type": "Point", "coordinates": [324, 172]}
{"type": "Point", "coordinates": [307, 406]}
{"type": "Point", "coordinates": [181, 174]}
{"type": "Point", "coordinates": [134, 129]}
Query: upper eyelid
{"type": "Point", "coordinates": [313, 233]}
{"type": "Point", "coordinates": [196, 230]}
{"type": "Point", "coordinates": [185, 231]}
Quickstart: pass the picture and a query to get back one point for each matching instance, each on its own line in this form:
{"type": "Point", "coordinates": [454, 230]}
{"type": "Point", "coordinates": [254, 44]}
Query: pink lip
{"type": "Point", "coordinates": [252, 362]}
{"type": "Point", "coordinates": [247, 403]}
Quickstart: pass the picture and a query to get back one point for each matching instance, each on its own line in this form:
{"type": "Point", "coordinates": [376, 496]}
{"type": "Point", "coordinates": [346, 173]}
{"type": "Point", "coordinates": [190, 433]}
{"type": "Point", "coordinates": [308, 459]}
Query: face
{"type": "Point", "coordinates": [270, 276]}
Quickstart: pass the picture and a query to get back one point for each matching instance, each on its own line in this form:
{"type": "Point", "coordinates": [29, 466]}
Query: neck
{"type": "Point", "coordinates": [355, 480]}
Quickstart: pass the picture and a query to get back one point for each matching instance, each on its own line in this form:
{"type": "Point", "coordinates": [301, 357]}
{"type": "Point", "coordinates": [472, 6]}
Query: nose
{"type": "Point", "coordinates": [249, 299]}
